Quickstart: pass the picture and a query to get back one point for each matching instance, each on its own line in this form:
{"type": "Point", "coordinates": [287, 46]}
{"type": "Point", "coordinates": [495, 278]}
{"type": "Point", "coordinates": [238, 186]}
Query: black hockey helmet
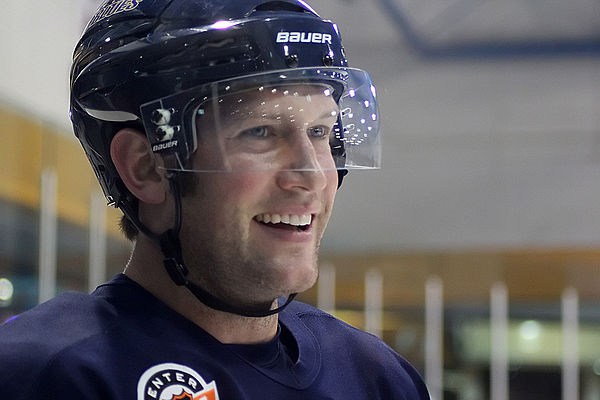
{"type": "Point", "coordinates": [148, 63]}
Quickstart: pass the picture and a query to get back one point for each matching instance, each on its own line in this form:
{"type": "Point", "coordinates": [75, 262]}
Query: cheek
{"type": "Point", "coordinates": [239, 193]}
{"type": "Point", "coordinates": [248, 184]}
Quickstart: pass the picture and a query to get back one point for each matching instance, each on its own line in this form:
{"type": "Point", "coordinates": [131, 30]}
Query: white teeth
{"type": "Point", "coordinates": [290, 219]}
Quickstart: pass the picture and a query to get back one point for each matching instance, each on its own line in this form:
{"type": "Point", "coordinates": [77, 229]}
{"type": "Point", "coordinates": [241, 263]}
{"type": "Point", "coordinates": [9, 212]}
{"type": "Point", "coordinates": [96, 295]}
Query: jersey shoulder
{"type": "Point", "coordinates": [65, 319]}
{"type": "Point", "coordinates": [31, 341]}
{"type": "Point", "coordinates": [347, 347]}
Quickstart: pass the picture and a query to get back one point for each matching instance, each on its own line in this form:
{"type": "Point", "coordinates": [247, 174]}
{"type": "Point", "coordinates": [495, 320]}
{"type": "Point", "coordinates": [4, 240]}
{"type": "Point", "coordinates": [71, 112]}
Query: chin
{"type": "Point", "coordinates": [305, 284]}
{"type": "Point", "coordinates": [297, 277]}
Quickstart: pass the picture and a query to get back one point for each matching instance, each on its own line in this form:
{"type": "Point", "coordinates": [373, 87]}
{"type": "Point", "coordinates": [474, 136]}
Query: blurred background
{"type": "Point", "coordinates": [474, 252]}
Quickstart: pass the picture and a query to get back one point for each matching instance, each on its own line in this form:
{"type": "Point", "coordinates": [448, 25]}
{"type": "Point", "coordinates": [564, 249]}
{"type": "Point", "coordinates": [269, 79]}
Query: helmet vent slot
{"type": "Point", "coordinates": [208, 54]}
{"type": "Point", "coordinates": [280, 6]}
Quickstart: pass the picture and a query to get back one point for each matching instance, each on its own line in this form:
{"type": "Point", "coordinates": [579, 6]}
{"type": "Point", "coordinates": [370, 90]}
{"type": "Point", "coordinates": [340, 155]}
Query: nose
{"type": "Point", "coordinates": [302, 169]}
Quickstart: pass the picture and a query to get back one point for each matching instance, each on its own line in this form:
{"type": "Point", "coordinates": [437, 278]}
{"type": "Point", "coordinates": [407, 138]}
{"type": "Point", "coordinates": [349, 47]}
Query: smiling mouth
{"type": "Point", "coordinates": [285, 221]}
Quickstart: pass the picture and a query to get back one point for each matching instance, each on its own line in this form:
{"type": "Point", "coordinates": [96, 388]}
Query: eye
{"type": "Point", "coordinates": [256, 132]}
{"type": "Point", "coordinates": [256, 139]}
{"type": "Point", "coordinates": [318, 131]}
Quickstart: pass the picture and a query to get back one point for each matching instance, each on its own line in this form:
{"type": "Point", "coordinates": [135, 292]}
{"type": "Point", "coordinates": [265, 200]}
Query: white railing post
{"type": "Point", "coordinates": [326, 288]}
{"type": "Point", "coordinates": [499, 342]}
{"type": "Point", "coordinates": [48, 233]}
{"type": "Point", "coordinates": [97, 260]}
{"type": "Point", "coordinates": [374, 302]}
{"type": "Point", "coordinates": [570, 343]}
{"type": "Point", "coordinates": [434, 337]}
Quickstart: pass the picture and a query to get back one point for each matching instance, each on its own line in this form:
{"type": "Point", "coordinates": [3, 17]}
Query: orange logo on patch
{"type": "Point", "coordinates": [209, 394]}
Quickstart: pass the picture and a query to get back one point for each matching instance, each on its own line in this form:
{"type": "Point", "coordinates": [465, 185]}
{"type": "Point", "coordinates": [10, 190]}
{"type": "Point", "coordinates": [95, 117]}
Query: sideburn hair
{"type": "Point", "coordinates": [188, 185]}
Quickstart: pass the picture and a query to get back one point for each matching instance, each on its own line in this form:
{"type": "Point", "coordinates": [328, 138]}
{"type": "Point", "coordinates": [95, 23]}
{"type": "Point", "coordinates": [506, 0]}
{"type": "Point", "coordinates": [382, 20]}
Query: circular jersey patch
{"type": "Point", "coordinates": [170, 381]}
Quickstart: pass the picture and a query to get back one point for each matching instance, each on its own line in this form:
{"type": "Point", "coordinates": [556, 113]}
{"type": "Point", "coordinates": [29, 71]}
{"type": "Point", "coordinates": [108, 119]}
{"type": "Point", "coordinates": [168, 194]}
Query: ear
{"type": "Point", "coordinates": [138, 167]}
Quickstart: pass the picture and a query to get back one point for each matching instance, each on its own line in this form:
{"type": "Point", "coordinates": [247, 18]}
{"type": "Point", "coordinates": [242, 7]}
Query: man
{"type": "Point", "coordinates": [222, 130]}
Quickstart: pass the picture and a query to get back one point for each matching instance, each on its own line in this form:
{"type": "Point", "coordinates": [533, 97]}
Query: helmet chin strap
{"type": "Point", "coordinates": [173, 262]}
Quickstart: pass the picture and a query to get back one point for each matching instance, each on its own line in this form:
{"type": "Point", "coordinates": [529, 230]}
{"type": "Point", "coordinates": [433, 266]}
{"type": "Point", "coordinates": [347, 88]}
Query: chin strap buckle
{"type": "Point", "coordinates": [176, 271]}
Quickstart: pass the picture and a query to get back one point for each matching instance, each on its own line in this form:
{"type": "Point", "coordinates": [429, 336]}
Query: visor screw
{"type": "Point", "coordinates": [292, 60]}
{"type": "Point", "coordinates": [166, 132]}
{"type": "Point", "coordinates": [327, 60]}
{"type": "Point", "coordinates": [161, 116]}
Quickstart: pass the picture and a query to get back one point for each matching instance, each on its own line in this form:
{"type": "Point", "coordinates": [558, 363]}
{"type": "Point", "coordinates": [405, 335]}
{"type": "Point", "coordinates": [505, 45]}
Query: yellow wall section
{"type": "Point", "coordinates": [20, 164]}
{"type": "Point", "coordinates": [29, 147]}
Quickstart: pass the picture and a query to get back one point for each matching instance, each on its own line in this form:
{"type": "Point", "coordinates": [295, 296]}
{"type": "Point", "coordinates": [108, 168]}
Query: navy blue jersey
{"type": "Point", "coordinates": [121, 342]}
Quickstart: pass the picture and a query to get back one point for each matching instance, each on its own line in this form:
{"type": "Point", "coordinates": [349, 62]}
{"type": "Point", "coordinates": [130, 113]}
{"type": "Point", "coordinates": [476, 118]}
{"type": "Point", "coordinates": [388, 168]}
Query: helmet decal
{"type": "Point", "coordinates": [112, 7]}
{"type": "Point", "coordinates": [303, 37]}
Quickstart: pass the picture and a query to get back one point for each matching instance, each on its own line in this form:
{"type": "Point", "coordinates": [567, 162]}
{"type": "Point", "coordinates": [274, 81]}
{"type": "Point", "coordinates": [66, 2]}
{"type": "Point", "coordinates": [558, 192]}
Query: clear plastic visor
{"type": "Point", "coordinates": [293, 120]}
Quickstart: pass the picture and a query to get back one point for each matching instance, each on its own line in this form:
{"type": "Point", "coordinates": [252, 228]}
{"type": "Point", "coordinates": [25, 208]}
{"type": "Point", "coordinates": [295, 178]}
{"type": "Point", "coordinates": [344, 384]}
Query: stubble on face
{"type": "Point", "coordinates": [226, 260]}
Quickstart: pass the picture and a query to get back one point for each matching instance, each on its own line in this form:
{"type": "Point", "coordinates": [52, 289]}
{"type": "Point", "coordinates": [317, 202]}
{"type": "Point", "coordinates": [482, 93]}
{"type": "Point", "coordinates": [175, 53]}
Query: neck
{"type": "Point", "coordinates": [146, 268]}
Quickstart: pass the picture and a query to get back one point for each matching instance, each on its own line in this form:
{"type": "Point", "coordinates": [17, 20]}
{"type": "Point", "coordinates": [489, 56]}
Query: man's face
{"type": "Point", "coordinates": [252, 230]}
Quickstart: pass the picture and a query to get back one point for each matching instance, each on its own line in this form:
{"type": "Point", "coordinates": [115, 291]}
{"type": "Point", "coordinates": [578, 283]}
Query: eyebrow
{"type": "Point", "coordinates": [329, 114]}
{"type": "Point", "coordinates": [326, 114]}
